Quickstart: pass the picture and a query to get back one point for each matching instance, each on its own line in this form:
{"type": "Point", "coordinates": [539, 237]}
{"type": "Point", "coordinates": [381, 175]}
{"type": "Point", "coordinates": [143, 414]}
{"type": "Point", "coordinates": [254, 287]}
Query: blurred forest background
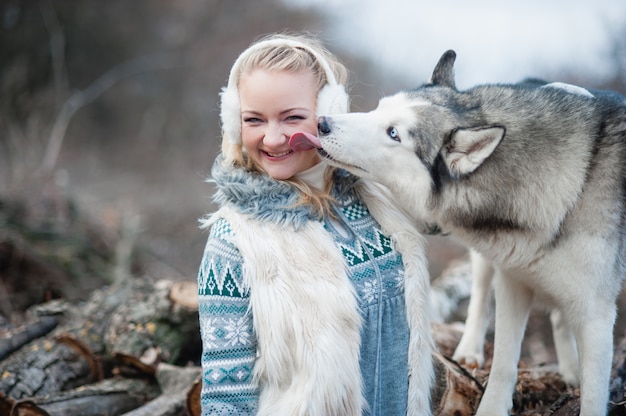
{"type": "Point", "coordinates": [109, 126]}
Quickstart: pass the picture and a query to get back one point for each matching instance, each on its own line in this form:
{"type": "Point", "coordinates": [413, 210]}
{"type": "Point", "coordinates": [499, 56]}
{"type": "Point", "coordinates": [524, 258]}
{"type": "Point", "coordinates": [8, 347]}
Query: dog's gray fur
{"type": "Point", "coordinates": [531, 176]}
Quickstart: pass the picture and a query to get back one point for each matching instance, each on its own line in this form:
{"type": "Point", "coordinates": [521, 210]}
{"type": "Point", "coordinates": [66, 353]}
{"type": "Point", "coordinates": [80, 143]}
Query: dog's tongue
{"type": "Point", "coordinates": [303, 141]}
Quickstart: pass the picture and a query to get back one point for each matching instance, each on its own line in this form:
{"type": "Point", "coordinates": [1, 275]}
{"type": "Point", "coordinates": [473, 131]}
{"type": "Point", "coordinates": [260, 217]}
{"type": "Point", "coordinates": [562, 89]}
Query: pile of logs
{"type": "Point", "coordinates": [132, 348]}
{"type": "Point", "coordinates": [121, 352]}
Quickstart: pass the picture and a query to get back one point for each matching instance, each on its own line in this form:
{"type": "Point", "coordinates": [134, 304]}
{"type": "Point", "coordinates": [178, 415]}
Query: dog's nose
{"type": "Point", "coordinates": [323, 125]}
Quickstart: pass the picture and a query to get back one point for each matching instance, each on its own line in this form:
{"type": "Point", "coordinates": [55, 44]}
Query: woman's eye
{"type": "Point", "coordinates": [392, 132]}
{"type": "Point", "coordinates": [295, 118]}
{"type": "Point", "coordinates": [252, 120]}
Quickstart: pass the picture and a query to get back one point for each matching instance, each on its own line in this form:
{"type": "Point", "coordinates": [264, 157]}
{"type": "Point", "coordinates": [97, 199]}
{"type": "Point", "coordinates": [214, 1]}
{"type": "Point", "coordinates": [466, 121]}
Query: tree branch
{"type": "Point", "coordinates": [81, 98]}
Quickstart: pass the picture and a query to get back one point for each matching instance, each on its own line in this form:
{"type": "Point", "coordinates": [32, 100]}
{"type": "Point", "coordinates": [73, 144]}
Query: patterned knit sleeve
{"type": "Point", "coordinates": [228, 343]}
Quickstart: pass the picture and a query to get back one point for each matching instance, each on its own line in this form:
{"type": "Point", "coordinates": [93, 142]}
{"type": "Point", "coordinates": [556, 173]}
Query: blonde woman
{"type": "Point", "coordinates": [303, 280]}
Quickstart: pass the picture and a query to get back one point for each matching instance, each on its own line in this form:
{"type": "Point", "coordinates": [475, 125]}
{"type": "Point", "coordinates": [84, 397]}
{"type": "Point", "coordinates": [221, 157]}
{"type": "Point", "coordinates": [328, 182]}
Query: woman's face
{"type": "Point", "coordinates": [274, 105]}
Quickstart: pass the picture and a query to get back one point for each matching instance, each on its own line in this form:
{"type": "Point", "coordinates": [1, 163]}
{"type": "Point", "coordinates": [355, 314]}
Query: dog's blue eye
{"type": "Point", "coordinates": [393, 133]}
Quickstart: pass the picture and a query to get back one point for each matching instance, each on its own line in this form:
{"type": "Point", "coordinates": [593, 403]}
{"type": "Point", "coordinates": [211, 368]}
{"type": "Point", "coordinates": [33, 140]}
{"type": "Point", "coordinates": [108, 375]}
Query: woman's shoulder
{"type": "Point", "coordinates": [221, 229]}
{"type": "Point", "coordinates": [221, 241]}
{"type": "Point", "coordinates": [221, 223]}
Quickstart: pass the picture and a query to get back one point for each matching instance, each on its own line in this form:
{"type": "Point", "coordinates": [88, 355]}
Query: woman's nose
{"type": "Point", "coordinates": [274, 135]}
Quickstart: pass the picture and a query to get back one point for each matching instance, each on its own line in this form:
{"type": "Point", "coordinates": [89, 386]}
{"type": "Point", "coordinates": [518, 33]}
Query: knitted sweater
{"type": "Point", "coordinates": [374, 268]}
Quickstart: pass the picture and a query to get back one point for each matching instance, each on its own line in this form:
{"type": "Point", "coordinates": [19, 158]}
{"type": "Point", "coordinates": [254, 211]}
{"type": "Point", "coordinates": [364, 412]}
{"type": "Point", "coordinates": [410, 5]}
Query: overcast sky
{"type": "Point", "coordinates": [495, 41]}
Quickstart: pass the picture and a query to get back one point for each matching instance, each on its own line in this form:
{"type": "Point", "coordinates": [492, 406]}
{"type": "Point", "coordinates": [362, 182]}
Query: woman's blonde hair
{"type": "Point", "coordinates": [287, 56]}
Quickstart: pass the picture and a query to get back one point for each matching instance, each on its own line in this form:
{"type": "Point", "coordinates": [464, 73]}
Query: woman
{"type": "Point", "coordinates": [305, 271]}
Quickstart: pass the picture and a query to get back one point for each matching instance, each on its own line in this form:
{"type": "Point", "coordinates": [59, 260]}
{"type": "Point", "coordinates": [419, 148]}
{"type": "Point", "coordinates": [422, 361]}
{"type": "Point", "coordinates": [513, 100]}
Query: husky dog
{"type": "Point", "coordinates": [531, 176]}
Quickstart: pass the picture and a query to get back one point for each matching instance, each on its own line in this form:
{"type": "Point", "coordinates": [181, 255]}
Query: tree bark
{"type": "Point", "coordinates": [47, 367]}
{"type": "Point", "coordinates": [126, 329]}
{"type": "Point", "coordinates": [110, 397]}
{"type": "Point", "coordinates": [14, 339]}
{"type": "Point", "coordinates": [175, 383]}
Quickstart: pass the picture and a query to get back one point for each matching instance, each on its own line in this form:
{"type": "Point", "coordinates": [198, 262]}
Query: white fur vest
{"type": "Point", "coordinates": [308, 345]}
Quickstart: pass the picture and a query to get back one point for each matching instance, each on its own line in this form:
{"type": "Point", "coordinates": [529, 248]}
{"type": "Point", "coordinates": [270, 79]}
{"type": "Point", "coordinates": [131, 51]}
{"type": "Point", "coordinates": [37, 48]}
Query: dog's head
{"type": "Point", "coordinates": [411, 136]}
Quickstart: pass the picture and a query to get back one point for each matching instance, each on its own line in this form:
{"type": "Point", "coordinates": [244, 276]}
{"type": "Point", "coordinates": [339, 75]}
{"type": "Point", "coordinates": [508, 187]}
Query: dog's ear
{"type": "Point", "coordinates": [443, 74]}
{"type": "Point", "coordinates": [469, 148]}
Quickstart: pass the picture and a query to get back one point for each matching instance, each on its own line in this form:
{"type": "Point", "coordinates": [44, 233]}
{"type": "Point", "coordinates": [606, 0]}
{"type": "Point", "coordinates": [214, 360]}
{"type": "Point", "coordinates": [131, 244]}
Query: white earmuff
{"type": "Point", "coordinates": [332, 98]}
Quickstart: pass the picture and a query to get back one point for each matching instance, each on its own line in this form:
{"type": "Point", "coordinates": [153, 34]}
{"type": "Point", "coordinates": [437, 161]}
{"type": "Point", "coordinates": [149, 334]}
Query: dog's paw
{"type": "Point", "coordinates": [472, 357]}
{"type": "Point", "coordinates": [471, 361]}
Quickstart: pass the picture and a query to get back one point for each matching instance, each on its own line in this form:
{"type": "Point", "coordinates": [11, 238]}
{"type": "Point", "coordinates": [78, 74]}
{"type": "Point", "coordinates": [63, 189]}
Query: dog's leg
{"type": "Point", "coordinates": [470, 348]}
{"type": "Point", "coordinates": [566, 349]}
{"type": "Point", "coordinates": [513, 301]}
{"type": "Point", "coordinates": [595, 341]}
